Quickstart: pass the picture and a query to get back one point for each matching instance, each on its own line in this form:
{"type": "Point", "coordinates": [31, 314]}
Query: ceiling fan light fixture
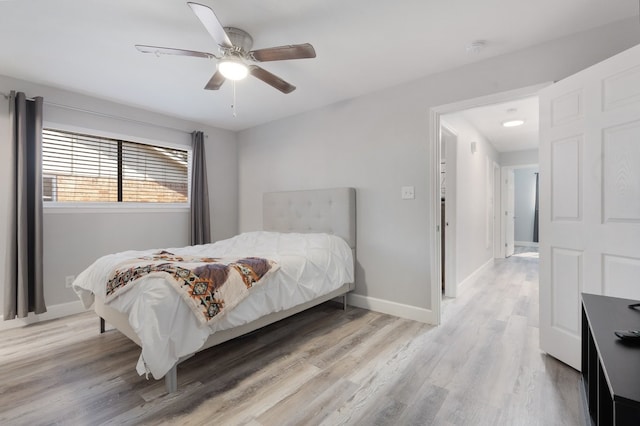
{"type": "Point", "coordinates": [512, 123]}
{"type": "Point", "coordinates": [233, 69]}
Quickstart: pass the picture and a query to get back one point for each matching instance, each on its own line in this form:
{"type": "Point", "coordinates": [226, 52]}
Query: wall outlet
{"type": "Point", "coordinates": [408, 193]}
{"type": "Point", "coordinates": [69, 280]}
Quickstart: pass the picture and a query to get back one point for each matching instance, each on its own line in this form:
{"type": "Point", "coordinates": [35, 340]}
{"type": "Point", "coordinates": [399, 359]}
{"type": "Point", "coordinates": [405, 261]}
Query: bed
{"type": "Point", "coordinates": [308, 236]}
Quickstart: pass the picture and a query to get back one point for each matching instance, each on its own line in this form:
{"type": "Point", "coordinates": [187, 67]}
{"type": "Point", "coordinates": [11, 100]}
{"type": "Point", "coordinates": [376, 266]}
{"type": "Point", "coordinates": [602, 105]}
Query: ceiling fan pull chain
{"type": "Point", "coordinates": [233, 105]}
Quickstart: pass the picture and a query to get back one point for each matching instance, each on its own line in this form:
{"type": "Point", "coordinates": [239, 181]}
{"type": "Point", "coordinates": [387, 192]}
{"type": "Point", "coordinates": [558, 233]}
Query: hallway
{"type": "Point", "coordinates": [496, 355]}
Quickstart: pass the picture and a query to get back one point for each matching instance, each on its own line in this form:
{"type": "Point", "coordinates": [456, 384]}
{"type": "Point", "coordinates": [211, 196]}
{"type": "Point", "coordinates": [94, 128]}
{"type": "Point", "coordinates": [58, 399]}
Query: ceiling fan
{"type": "Point", "coordinates": [235, 45]}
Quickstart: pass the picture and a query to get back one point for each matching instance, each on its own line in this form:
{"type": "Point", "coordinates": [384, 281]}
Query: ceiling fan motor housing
{"type": "Point", "coordinates": [241, 40]}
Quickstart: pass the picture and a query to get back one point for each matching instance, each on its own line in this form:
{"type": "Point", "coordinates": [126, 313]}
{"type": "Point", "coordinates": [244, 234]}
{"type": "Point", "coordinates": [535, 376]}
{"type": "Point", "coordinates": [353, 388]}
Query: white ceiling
{"type": "Point", "coordinates": [488, 121]}
{"type": "Point", "coordinates": [362, 46]}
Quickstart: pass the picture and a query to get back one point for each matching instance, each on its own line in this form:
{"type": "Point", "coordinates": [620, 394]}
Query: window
{"type": "Point", "coordinates": [81, 168]}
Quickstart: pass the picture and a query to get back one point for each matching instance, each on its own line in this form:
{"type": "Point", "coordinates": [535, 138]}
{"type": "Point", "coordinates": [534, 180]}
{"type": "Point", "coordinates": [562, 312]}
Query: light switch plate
{"type": "Point", "coordinates": [408, 193]}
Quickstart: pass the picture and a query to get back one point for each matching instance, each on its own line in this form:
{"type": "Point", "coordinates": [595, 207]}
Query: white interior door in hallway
{"type": "Point", "coordinates": [589, 196]}
{"type": "Point", "coordinates": [509, 212]}
{"type": "Point", "coordinates": [449, 141]}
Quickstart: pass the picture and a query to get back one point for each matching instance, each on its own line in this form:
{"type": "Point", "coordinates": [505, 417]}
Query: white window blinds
{"type": "Point", "coordinates": [84, 168]}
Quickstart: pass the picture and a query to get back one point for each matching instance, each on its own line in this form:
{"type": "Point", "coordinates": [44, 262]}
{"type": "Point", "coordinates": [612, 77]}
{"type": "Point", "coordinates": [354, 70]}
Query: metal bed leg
{"type": "Point", "coordinates": [102, 325]}
{"type": "Point", "coordinates": [171, 379]}
{"type": "Point", "coordinates": [344, 302]}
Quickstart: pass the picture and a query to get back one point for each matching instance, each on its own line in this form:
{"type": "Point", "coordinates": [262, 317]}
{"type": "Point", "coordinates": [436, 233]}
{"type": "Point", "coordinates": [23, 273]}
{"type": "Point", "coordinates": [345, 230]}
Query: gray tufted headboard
{"type": "Point", "coordinates": [332, 211]}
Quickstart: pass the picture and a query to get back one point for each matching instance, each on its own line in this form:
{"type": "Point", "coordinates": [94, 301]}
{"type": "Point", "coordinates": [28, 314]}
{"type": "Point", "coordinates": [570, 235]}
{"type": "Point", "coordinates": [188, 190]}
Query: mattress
{"type": "Point", "coordinates": [310, 265]}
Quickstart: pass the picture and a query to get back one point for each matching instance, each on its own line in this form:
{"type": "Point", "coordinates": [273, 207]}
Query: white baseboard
{"type": "Point", "coordinates": [53, 312]}
{"type": "Point", "coordinates": [525, 243]}
{"type": "Point", "coordinates": [475, 273]}
{"type": "Point", "coordinates": [392, 308]}
{"type": "Point", "coordinates": [371, 303]}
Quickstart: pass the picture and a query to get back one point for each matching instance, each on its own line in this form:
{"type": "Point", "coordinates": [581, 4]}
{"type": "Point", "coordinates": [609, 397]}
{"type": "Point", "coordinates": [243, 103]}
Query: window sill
{"type": "Point", "coordinates": [115, 208]}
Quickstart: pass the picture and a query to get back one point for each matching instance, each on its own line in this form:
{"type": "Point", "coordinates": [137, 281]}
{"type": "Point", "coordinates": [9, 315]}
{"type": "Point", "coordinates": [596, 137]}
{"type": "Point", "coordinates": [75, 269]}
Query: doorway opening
{"type": "Point", "coordinates": [469, 214]}
{"type": "Point", "coordinates": [520, 206]}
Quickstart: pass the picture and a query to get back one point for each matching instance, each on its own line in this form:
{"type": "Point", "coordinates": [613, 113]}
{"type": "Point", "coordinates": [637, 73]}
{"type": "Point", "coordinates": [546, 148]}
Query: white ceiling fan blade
{"type": "Point", "coordinates": [157, 50]}
{"type": "Point", "coordinates": [211, 23]}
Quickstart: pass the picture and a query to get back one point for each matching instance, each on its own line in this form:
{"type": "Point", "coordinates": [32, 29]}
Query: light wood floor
{"type": "Point", "coordinates": [324, 366]}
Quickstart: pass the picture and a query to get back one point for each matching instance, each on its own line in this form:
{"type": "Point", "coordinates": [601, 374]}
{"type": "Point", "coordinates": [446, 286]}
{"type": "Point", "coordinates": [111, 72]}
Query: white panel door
{"type": "Point", "coordinates": [589, 196]}
{"type": "Point", "coordinates": [497, 250]}
{"type": "Point", "coordinates": [450, 140]}
{"type": "Point", "coordinates": [509, 213]}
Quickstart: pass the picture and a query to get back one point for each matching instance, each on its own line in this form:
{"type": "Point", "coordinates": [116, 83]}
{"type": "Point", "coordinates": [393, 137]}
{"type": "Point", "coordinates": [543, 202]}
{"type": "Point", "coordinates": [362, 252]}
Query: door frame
{"type": "Point", "coordinates": [505, 188]}
{"type": "Point", "coordinates": [434, 237]}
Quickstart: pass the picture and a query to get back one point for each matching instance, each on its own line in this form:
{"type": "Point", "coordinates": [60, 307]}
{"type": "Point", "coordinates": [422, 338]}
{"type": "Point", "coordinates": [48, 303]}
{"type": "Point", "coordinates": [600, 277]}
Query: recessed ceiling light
{"type": "Point", "coordinates": [513, 123]}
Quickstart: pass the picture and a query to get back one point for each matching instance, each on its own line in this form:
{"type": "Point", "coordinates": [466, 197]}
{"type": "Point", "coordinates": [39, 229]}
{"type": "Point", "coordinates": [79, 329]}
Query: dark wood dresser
{"type": "Point", "coordinates": [610, 367]}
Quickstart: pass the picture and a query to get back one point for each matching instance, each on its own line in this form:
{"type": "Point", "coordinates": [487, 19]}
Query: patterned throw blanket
{"type": "Point", "coordinates": [210, 286]}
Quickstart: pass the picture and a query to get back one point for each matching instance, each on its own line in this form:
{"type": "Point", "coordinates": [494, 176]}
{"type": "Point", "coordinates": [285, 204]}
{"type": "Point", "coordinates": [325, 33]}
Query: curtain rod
{"type": "Point", "coordinates": [102, 114]}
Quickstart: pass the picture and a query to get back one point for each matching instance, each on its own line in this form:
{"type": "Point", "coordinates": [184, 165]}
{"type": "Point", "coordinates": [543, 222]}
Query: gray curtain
{"type": "Point", "coordinates": [24, 290]}
{"type": "Point", "coordinates": [200, 226]}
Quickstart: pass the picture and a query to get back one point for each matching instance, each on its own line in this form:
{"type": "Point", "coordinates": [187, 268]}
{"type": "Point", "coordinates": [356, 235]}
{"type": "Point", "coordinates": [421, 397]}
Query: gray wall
{"type": "Point", "coordinates": [75, 238]}
{"type": "Point", "coordinates": [379, 142]}
{"type": "Point", "coordinates": [518, 158]}
{"type": "Point", "coordinates": [471, 193]}
{"type": "Point", "coordinates": [524, 203]}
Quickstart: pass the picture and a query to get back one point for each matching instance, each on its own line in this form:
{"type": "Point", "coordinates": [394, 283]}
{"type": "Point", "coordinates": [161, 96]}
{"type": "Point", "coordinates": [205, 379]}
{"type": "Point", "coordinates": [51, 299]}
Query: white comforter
{"type": "Point", "coordinates": [311, 265]}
